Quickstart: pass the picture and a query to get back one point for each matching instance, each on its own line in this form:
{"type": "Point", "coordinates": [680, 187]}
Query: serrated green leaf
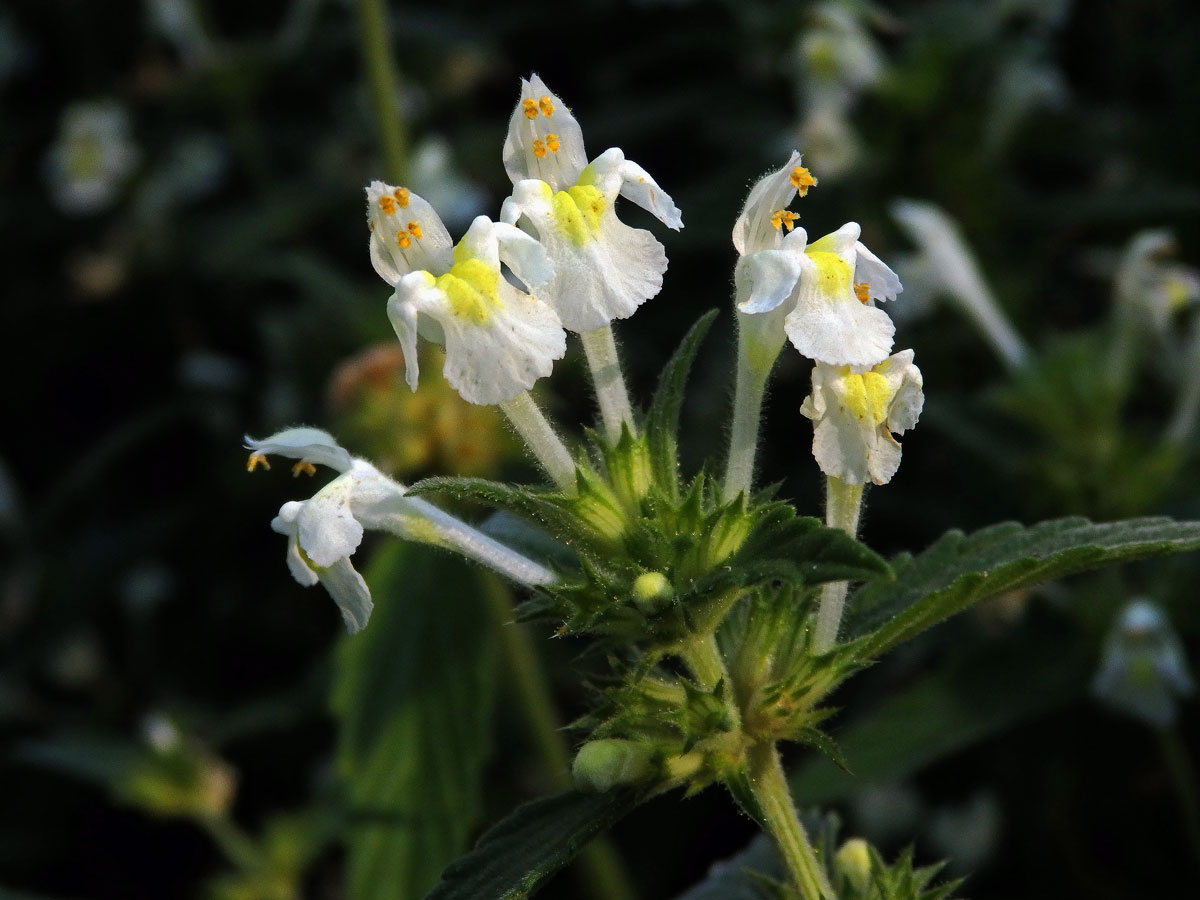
{"type": "Point", "coordinates": [960, 570]}
{"type": "Point", "coordinates": [413, 697]}
{"type": "Point", "coordinates": [517, 855]}
{"type": "Point", "coordinates": [662, 421]}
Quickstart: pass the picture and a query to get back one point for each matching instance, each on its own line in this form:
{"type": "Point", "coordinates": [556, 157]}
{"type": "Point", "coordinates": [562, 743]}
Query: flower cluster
{"type": "Point", "coordinates": [822, 297]}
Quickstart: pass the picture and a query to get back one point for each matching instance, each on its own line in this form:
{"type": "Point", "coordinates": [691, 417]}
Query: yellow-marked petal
{"type": "Point", "coordinates": [577, 211]}
{"type": "Point", "coordinates": [833, 273]}
{"type": "Point", "coordinates": [472, 289]}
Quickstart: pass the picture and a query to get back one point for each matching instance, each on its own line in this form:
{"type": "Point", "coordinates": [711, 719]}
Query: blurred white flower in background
{"type": "Point", "coordinates": [1142, 667]}
{"type": "Point", "coordinates": [456, 198]}
{"type": "Point", "coordinates": [92, 158]}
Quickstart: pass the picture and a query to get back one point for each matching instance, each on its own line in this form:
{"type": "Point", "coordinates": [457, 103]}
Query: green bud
{"type": "Point", "coordinates": [853, 863]}
{"type": "Point", "coordinates": [603, 764]}
{"type": "Point", "coordinates": [652, 591]}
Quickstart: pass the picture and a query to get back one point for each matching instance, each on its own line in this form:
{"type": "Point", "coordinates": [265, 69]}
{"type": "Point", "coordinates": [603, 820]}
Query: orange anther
{"type": "Point", "coordinates": [401, 195]}
{"type": "Point", "coordinates": [539, 149]}
{"type": "Point", "coordinates": [552, 143]}
{"type": "Point", "coordinates": [862, 291]}
{"type": "Point", "coordinates": [256, 460]}
{"type": "Point", "coordinates": [782, 218]}
{"type": "Point", "coordinates": [387, 204]}
{"type": "Point", "coordinates": [414, 228]}
{"type": "Point", "coordinates": [546, 105]}
{"type": "Point", "coordinates": [802, 180]}
{"type": "Point", "coordinates": [303, 466]}
{"type": "Point", "coordinates": [530, 107]}
{"type": "Point", "coordinates": [403, 239]}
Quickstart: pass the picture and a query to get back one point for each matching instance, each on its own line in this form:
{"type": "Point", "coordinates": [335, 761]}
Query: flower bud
{"type": "Point", "coordinates": [651, 592]}
{"type": "Point", "coordinates": [853, 863]}
{"type": "Point", "coordinates": [603, 764]}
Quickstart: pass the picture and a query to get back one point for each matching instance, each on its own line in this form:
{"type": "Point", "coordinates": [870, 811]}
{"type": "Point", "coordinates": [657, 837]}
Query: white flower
{"type": "Point", "coordinates": [1150, 283]}
{"type": "Point", "coordinates": [324, 531]}
{"type": "Point", "coordinates": [92, 157]}
{"type": "Point", "coordinates": [854, 415]}
{"type": "Point", "coordinates": [946, 266]}
{"type": "Point", "coordinates": [822, 294]}
{"type": "Point", "coordinates": [604, 269]}
{"type": "Point", "coordinates": [1143, 668]}
{"type": "Point", "coordinates": [499, 340]}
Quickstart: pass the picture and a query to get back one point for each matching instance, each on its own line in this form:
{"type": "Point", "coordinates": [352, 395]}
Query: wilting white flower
{"type": "Point", "coordinates": [499, 340]}
{"type": "Point", "coordinates": [822, 294]}
{"type": "Point", "coordinates": [948, 267]}
{"type": "Point", "coordinates": [604, 269]}
{"type": "Point", "coordinates": [92, 158]}
{"type": "Point", "coordinates": [324, 531]}
{"type": "Point", "coordinates": [1142, 667]}
{"type": "Point", "coordinates": [855, 414]}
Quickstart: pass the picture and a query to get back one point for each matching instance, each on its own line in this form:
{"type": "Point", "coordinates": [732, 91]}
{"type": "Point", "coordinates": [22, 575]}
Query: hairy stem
{"type": "Point", "coordinates": [750, 387]}
{"type": "Point", "coordinates": [541, 440]}
{"type": "Point", "coordinates": [843, 503]}
{"type": "Point", "coordinates": [770, 789]}
{"type": "Point", "coordinates": [601, 350]}
{"type": "Point", "coordinates": [599, 863]}
{"type": "Point", "coordinates": [384, 83]}
{"type": "Point", "coordinates": [457, 535]}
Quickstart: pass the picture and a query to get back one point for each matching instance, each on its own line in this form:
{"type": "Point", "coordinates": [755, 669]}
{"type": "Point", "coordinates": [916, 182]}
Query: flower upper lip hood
{"type": "Point", "coordinates": [499, 339]}
{"type": "Point", "coordinates": [822, 294]}
{"type": "Point", "coordinates": [605, 269]}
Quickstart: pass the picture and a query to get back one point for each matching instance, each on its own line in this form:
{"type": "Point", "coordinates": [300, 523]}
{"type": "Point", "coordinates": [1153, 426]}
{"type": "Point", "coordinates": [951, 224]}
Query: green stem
{"type": "Point", "coordinates": [602, 869]}
{"type": "Point", "coordinates": [1184, 778]}
{"type": "Point", "coordinates": [539, 436]}
{"type": "Point", "coordinates": [703, 658]}
{"type": "Point", "coordinates": [770, 789]}
{"type": "Point", "coordinates": [747, 414]}
{"type": "Point", "coordinates": [600, 347]}
{"type": "Point", "coordinates": [239, 848]}
{"type": "Point", "coordinates": [843, 503]}
{"type": "Point", "coordinates": [384, 83]}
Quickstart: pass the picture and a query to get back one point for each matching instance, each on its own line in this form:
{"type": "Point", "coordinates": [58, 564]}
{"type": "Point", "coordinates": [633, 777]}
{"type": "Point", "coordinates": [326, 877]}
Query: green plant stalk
{"type": "Point", "coordinates": [384, 83]}
{"type": "Point", "coordinates": [539, 437]}
{"type": "Point", "coordinates": [1184, 778]}
{"type": "Point", "coordinates": [703, 658]}
{"type": "Point", "coordinates": [751, 386]}
{"type": "Point", "coordinates": [600, 864]}
{"type": "Point", "coordinates": [239, 848]}
{"type": "Point", "coordinates": [769, 786]}
{"type": "Point", "coordinates": [843, 503]}
{"type": "Point", "coordinates": [600, 348]}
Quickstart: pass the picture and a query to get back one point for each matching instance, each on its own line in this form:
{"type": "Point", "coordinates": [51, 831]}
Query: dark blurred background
{"type": "Point", "coordinates": [185, 261]}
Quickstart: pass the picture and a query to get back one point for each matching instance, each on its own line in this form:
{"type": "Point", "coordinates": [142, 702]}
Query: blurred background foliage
{"type": "Point", "coordinates": [187, 261]}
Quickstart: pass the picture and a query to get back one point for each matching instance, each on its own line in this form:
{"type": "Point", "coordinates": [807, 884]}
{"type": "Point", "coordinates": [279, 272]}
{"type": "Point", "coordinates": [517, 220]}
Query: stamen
{"type": "Point", "coordinates": [303, 466]}
{"type": "Point", "coordinates": [403, 239]}
{"type": "Point", "coordinates": [546, 105]}
{"type": "Point", "coordinates": [414, 228]}
{"type": "Point", "coordinates": [387, 204]}
{"type": "Point", "coordinates": [401, 195]}
{"type": "Point", "coordinates": [539, 149]}
{"type": "Point", "coordinates": [256, 460]}
{"type": "Point", "coordinates": [782, 218]}
{"type": "Point", "coordinates": [802, 180]}
{"type": "Point", "coordinates": [552, 143]}
{"type": "Point", "coordinates": [530, 107]}
{"type": "Point", "coordinates": [862, 291]}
